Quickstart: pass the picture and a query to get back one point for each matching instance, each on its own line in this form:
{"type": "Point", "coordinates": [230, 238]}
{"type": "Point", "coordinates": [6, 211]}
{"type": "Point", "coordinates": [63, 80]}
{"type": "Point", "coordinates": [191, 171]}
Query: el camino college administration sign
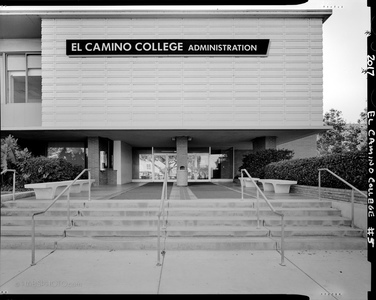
{"type": "Point", "coordinates": [183, 47]}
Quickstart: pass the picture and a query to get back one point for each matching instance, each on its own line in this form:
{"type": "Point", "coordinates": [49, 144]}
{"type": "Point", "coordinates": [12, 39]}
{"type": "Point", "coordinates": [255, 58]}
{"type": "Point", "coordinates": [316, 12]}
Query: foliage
{"type": "Point", "coordinates": [75, 155]}
{"type": "Point", "coordinates": [351, 166]}
{"type": "Point", "coordinates": [8, 151]}
{"type": "Point", "coordinates": [255, 162]}
{"type": "Point", "coordinates": [343, 137]}
{"type": "Point", "coordinates": [43, 169]}
{"type": "Point", "coordinates": [31, 169]}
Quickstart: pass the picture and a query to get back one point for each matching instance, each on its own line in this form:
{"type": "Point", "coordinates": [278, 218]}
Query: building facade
{"type": "Point", "coordinates": [127, 116]}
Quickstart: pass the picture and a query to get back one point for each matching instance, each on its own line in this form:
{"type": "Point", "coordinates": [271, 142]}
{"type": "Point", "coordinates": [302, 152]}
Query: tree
{"type": "Point", "coordinates": [331, 141]}
{"type": "Point", "coordinates": [8, 151]}
{"type": "Point", "coordinates": [343, 137]}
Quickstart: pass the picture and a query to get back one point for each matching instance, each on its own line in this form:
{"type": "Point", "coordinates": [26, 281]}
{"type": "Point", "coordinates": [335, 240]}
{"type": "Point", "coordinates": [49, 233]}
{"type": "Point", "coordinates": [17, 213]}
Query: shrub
{"type": "Point", "coordinates": [43, 169]}
{"type": "Point", "coordinates": [351, 166]}
{"type": "Point", "coordinates": [255, 162]}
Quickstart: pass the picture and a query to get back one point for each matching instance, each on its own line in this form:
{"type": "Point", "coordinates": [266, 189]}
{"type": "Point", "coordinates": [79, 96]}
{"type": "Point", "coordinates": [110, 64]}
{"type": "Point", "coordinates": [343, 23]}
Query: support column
{"type": "Point", "coordinates": [93, 158]}
{"type": "Point", "coordinates": [182, 160]}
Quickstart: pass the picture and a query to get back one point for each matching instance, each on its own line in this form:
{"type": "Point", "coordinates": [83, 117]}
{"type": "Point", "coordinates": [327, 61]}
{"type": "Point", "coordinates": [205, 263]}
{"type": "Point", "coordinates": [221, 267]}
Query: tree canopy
{"type": "Point", "coordinates": [343, 137]}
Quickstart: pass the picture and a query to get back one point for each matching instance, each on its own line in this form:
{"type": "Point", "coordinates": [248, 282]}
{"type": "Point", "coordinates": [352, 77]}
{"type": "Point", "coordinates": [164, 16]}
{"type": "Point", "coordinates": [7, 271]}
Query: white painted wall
{"type": "Point", "coordinates": [282, 89]}
{"type": "Point", "coordinates": [123, 162]}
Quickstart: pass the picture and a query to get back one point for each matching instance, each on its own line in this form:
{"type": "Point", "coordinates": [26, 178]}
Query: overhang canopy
{"type": "Point", "coordinates": [221, 138]}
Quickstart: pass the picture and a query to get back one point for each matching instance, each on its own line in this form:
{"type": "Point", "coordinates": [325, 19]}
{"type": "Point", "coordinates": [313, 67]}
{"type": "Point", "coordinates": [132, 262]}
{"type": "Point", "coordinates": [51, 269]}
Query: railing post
{"type": "Point", "coordinates": [68, 208]}
{"type": "Point", "coordinates": [319, 184]}
{"type": "Point", "coordinates": [242, 183]}
{"type": "Point", "coordinates": [89, 184]}
{"type": "Point", "coordinates": [33, 241]}
{"type": "Point", "coordinates": [14, 185]}
{"type": "Point", "coordinates": [159, 242]}
{"type": "Point", "coordinates": [352, 208]}
{"type": "Point", "coordinates": [283, 241]}
{"type": "Point", "coordinates": [258, 210]}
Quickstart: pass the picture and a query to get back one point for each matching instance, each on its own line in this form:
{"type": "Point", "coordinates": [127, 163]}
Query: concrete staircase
{"type": "Point", "coordinates": [224, 224]}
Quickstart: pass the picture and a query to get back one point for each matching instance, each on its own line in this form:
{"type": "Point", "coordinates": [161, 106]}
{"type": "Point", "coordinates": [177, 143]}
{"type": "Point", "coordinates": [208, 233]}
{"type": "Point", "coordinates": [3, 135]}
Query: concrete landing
{"type": "Point", "coordinates": [320, 275]}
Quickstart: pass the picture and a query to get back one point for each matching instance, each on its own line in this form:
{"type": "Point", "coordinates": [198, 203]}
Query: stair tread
{"type": "Point", "coordinates": [271, 217]}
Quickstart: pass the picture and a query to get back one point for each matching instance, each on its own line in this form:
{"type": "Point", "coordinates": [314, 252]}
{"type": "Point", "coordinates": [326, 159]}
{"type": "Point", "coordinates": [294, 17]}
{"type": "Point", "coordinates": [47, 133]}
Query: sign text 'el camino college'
{"type": "Point", "coordinates": [257, 47]}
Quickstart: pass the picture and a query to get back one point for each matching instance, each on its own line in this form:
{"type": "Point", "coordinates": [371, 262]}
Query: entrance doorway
{"type": "Point", "coordinates": [198, 167]}
{"type": "Point", "coordinates": [161, 161]}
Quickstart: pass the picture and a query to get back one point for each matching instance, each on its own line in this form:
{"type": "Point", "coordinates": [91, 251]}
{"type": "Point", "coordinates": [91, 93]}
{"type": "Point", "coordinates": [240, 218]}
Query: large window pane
{"type": "Point", "coordinates": [34, 88]}
{"type": "Point", "coordinates": [141, 163]}
{"type": "Point", "coordinates": [75, 155]}
{"type": "Point", "coordinates": [17, 86]}
{"type": "Point", "coordinates": [221, 163]}
{"type": "Point", "coordinates": [22, 79]}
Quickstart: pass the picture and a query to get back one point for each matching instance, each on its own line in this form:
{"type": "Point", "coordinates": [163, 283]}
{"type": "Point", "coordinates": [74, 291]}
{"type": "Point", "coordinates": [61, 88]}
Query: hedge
{"type": "Point", "coordinates": [43, 169]}
{"type": "Point", "coordinates": [256, 162]}
{"type": "Point", "coordinates": [351, 166]}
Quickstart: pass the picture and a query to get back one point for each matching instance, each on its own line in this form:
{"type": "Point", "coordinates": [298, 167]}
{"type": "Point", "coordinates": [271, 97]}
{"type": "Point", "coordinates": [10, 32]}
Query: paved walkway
{"type": "Point", "coordinates": [317, 274]}
{"type": "Point", "coordinates": [320, 275]}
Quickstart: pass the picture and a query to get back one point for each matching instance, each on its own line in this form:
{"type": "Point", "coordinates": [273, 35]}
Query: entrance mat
{"type": "Point", "coordinates": [208, 190]}
{"type": "Point", "coordinates": [149, 191]}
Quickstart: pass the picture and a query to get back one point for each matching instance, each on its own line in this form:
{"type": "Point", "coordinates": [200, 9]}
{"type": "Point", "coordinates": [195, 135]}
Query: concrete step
{"type": "Point", "coordinates": [141, 243]}
{"type": "Point", "coordinates": [175, 221]}
{"type": "Point", "coordinates": [247, 203]}
{"type": "Point", "coordinates": [78, 204]}
{"type": "Point", "coordinates": [263, 211]}
{"type": "Point", "coordinates": [109, 231]}
{"type": "Point", "coordinates": [186, 243]}
{"type": "Point", "coordinates": [316, 231]}
{"type": "Point", "coordinates": [323, 243]}
{"type": "Point", "coordinates": [82, 212]}
{"type": "Point", "coordinates": [56, 231]}
{"type": "Point", "coordinates": [183, 231]}
{"type": "Point", "coordinates": [42, 204]}
{"type": "Point", "coordinates": [186, 211]}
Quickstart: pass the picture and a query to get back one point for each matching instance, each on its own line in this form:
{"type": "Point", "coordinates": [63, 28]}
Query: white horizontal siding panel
{"type": "Point", "coordinates": [197, 85]}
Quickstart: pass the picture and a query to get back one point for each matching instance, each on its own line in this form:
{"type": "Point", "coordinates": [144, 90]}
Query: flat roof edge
{"type": "Point", "coordinates": [270, 13]}
{"type": "Point", "coordinates": [260, 128]}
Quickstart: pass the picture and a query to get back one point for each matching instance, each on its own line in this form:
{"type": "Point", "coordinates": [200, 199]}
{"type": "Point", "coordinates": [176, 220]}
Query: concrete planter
{"type": "Point", "coordinates": [248, 183]}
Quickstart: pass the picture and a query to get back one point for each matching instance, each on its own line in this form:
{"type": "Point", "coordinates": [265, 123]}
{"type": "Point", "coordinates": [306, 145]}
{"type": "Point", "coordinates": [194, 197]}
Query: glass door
{"type": "Point", "coordinates": [161, 161]}
{"type": "Point", "coordinates": [198, 166]}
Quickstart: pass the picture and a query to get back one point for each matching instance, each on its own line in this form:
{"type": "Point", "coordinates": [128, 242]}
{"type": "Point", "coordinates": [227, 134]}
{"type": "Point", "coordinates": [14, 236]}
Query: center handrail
{"type": "Point", "coordinates": [49, 206]}
{"type": "Point", "coordinates": [259, 191]}
{"type": "Point", "coordinates": [161, 213]}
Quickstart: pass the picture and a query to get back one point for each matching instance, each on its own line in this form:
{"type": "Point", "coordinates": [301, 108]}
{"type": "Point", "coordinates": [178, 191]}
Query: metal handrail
{"type": "Point", "coordinates": [271, 207]}
{"type": "Point", "coordinates": [14, 181]}
{"type": "Point", "coordinates": [49, 206]}
{"type": "Point", "coordinates": [344, 181]}
{"type": "Point", "coordinates": [161, 213]}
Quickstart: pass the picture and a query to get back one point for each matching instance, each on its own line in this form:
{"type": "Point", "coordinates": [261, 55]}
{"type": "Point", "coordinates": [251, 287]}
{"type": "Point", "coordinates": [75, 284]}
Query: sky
{"type": "Point", "coordinates": [344, 46]}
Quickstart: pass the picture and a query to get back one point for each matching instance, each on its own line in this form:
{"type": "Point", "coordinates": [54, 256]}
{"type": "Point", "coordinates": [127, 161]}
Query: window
{"type": "Point", "coordinates": [74, 152]}
{"type": "Point", "coordinates": [24, 78]}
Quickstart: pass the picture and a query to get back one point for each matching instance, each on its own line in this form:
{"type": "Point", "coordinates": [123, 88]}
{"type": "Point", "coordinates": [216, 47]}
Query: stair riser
{"type": "Point", "coordinates": [303, 222]}
{"type": "Point", "coordinates": [126, 204]}
{"type": "Point", "coordinates": [182, 213]}
{"type": "Point", "coordinates": [172, 233]}
{"type": "Point", "coordinates": [38, 233]}
{"type": "Point", "coordinates": [190, 245]}
{"type": "Point", "coordinates": [82, 205]}
{"type": "Point", "coordinates": [334, 232]}
{"type": "Point", "coordinates": [140, 223]}
{"type": "Point", "coordinates": [253, 213]}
